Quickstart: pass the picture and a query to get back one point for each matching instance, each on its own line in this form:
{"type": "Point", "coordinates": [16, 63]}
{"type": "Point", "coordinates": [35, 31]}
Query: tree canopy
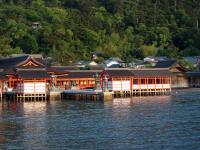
{"type": "Point", "coordinates": [69, 30]}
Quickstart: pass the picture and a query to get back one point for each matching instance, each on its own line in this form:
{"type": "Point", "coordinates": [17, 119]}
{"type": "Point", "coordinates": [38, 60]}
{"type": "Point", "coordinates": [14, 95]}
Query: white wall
{"type": "Point", "coordinates": [119, 85]}
{"type": "Point", "coordinates": [125, 85]}
{"type": "Point", "coordinates": [31, 88]}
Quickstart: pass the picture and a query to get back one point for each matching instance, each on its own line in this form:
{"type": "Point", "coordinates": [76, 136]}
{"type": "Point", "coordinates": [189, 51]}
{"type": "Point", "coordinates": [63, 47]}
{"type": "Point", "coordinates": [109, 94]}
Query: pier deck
{"type": "Point", "coordinates": [100, 95]}
{"type": "Point", "coordinates": [82, 95]}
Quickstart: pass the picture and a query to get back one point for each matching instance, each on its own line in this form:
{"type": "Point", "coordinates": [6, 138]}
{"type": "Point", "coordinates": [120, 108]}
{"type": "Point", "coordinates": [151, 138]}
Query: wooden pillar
{"type": "Point", "coordinates": [140, 85]}
{"type": "Point", "coordinates": [131, 86]}
{"type": "Point", "coordinates": [147, 86]}
{"type": "Point", "coordinates": [170, 84]}
{"type": "Point", "coordinates": [9, 84]}
{"type": "Point", "coordinates": [121, 86]}
{"type": "Point", "coordinates": [155, 89]}
{"type": "Point", "coordinates": [1, 91]}
{"type": "Point", "coordinates": [111, 84]}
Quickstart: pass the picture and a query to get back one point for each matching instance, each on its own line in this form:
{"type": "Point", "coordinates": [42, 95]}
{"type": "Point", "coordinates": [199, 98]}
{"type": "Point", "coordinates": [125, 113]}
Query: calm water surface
{"type": "Point", "coordinates": [166, 122]}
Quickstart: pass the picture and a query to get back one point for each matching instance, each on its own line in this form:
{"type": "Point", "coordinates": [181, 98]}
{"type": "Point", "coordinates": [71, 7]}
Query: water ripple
{"type": "Point", "coordinates": [167, 122]}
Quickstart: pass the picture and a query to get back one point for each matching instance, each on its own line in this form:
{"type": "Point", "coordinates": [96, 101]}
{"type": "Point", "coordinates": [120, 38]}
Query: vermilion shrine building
{"type": "Point", "coordinates": [29, 76]}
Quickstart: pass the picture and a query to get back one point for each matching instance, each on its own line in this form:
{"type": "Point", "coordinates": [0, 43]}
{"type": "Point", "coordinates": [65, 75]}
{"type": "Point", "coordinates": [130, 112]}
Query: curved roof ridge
{"type": "Point", "coordinates": [28, 59]}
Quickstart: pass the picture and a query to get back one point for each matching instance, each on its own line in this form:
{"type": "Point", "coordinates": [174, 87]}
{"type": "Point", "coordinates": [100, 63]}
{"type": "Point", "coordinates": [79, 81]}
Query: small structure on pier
{"type": "Point", "coordinates": [32, 79]}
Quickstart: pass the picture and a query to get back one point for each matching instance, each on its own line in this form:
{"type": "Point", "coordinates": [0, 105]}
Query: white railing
{"type": "Point", "coordinates": [151, 86]}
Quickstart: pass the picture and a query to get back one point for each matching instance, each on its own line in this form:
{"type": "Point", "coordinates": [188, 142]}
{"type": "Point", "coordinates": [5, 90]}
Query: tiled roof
{"type": "Point", "coordinates": [71, 68]}
{"type": "Point", "coordinates": [9, 64]}
{"type": "Point", "coordinates": [30, 74]}
{"type": "Point", "coordinates": [165, 64]}
{"type": "Point", "coordinates": [97, 67]}
{"type": "Point", "coordinates": [81, 74]}
{"type": "Point", "coordinates": [38, 62]}
{"type": "Point", "coordinates": [119, 72]}
{"type": "Point", "coordinates": [138, 72]}
{"type": "Point", "coordinates": [151, 73]}
{"type": "Point", "coordinates": [193, 74]}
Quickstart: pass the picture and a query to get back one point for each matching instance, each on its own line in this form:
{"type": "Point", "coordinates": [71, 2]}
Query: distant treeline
{"type": "Point", "coordinates": [69, 30]}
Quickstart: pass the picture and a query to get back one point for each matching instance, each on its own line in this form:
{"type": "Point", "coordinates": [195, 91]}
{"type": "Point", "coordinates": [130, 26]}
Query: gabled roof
{"type": "Point", "coordinates": [10, 64]}
{"type": "Point", "coordinates": [30, 62]}
{"type": "Point", "coordinates": [170, 64]}
{"type": "Point", "coordinates": [165, 64]}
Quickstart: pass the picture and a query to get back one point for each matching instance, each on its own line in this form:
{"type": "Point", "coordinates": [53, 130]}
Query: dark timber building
{"type": "Point", "coordinates": [179, 73]}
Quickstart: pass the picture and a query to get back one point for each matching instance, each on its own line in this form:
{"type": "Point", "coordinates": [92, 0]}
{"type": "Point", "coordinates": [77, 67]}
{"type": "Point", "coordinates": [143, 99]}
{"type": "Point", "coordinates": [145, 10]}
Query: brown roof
{"type": "Point", "coordinates": [30, 74]}
{"type": "Point", "coordinates": [119, 72]}
{"type": "Point", "coordinates": [10, 64]}
{"type": "Point", "coordinates": [60, 69]}
{"type": "Point", "coordinates": [170, 64]}
{"type": "Point", "coordinates": [80, 74]}
{"type": "Point", "coordinates": [37, 61]}
{"type": "Point", "coordinates": [138, 72]}
{"type": "Point", "coordinates": [165, 64]}
{"type": "Point", "coordinates": [151, 73]}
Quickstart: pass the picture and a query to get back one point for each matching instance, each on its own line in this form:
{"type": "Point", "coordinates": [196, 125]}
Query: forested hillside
{"type": "Point", "coordinates": [69, 30]}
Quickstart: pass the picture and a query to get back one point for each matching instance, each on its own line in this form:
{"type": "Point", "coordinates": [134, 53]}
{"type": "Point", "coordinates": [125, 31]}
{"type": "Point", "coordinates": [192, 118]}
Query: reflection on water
{"type": "Point", "coordinates": [126, 102]}
{"type": "Point", "coordinates": [166, 122]}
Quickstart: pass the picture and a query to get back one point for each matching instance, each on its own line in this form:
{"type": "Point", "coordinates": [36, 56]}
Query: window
{"type": "Point", "coordinates": [143, 81]}
{"type": "Point", "coordinates": [135, 81]}
{"type": "Point", "coordinates": [151, 81]}
{"type": "Point", "coordinates": [158, 81]}
{"type": "Point", "coordinates": [165, 81]}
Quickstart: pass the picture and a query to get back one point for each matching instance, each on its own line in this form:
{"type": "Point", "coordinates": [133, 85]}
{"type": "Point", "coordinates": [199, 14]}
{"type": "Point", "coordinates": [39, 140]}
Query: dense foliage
{"type": "Point", "coordinates": [70, 30]}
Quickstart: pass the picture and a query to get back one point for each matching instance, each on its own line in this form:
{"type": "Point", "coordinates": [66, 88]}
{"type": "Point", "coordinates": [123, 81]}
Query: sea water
{"type": "Point", "coordinates": [157, 122]}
